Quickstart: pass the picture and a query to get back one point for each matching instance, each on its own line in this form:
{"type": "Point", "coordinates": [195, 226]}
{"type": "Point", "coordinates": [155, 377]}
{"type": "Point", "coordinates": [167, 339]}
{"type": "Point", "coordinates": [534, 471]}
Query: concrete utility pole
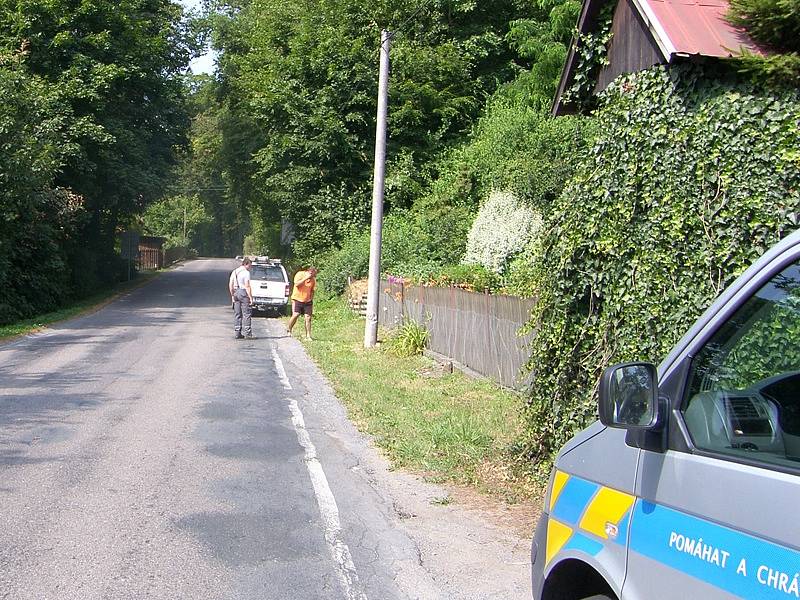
{"type": "Point", "coordinates": [371, 328]}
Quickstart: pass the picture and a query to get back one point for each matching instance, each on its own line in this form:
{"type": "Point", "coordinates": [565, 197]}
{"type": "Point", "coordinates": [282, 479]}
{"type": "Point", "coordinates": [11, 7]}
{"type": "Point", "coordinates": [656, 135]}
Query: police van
{"type": "Point", "coordinates": [688, 486]}
{"type": "Point", "coordinates": [269, 284]}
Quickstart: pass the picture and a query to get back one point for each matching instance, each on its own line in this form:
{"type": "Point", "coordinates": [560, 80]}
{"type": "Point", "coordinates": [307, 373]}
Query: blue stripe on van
{"type": "Point", "coordinates": [730, 560]}
{"type": "Point", "coordinates": [583, 543]}
{"type": "Point", "coordinates": [573, 500]}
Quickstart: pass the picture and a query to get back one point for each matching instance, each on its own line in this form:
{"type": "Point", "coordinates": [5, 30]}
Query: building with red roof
{"type": "Point", "coordinates": [652, 32]}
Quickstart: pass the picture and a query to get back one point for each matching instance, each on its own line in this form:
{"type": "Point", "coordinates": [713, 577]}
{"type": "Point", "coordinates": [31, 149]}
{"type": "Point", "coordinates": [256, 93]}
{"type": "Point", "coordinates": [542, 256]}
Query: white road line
{"type": "Point", "coordinates": [345, 569]}
{"type": "Point", "coordinates": [279, 368]}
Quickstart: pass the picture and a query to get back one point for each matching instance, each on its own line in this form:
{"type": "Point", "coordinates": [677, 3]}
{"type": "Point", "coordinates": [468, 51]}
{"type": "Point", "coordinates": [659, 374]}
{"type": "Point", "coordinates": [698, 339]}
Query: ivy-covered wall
{"type": "Point", "coordinates": [693, 175]}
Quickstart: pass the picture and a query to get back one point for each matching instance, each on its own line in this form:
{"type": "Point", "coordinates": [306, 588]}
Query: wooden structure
{"type": "Point", "coordinates": [151, 252]}
{"type": "Point", "coordinates": [358, 304]}
{"type": "Point", "coordinates": [479, 331]}
{"type": "Point", "coordinates": [651, 32]}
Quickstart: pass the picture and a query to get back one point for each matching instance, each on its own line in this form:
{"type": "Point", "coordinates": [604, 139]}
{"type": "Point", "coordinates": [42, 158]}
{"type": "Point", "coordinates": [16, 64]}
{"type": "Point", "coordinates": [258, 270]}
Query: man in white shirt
{"type": "Point", "coordinates": [242, 296]}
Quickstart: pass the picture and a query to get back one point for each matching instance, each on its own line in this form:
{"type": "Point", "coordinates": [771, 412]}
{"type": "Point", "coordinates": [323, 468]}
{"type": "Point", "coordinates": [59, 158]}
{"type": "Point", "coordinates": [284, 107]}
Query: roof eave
{"type": "Point", "coordinates": [657, 30]}
{"type": "Point", "coordinates": [655, 27]}
{"type": "Point", "coordinates": [589, 10]}
{"type": "Point", "coordinates": [557, 108]}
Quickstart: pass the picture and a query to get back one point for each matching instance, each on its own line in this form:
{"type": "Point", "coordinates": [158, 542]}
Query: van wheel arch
{"type": "Point", "coordinates": [575, 580]}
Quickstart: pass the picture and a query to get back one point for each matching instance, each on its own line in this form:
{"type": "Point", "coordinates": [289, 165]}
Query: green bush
{"type": "Point", "coordinates": [471, 277]}
{"type": "Point", "coordinates": [772, 22]}
{"type": "Point", "coordinates": [515, 148]}
{"type": "Point", "coordinates": [428, 234]}
{"type": "Point", "coordinates": [418, 273]}
{"type": "Point", "coordinates": [520, 278]}
{"type": "Point", "coordinates": [694, 174]}
{"type": "Point", "coordinates": [424, 236]}
{"type": "Point", "coordinates": [776, 25]}
{"type": "Point", "coordinates": [414, 245]}
{"type": "Point", "coordinates": [351, 260]}
{"type": "Point", "coordinates": [409, 339]}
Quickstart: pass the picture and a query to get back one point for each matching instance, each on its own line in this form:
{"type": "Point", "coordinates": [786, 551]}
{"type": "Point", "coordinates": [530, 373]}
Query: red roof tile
{"type": "Point", "coordinates": [698, 27]}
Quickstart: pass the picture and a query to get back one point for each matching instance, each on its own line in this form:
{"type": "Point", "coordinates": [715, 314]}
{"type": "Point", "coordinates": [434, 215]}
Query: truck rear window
{"type": "Point", "coordinates": [266, 273]}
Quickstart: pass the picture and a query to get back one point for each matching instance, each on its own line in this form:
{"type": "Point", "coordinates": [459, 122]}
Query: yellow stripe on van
{"type": "Point", "coordinates": [608, 506]}
{"type": "Point", "coordinates": [558, 534]}
{"type": "Point", "coordinates": [559, 482]}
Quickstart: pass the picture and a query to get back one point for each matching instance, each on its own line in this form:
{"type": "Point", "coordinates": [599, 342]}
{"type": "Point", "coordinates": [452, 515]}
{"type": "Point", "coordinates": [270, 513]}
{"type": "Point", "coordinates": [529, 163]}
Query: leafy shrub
{"type": "Point", "coordinates": [424, 236]}
{"type": "Point", "coordinates": [772, 22]}
{"type": "Point", "coordinates": [418, 273]}
{"type": "Point", "coordinates": [515, 148]}
{"type": "Point", "coordinates": [693, 176]}
{"type": "Point", "coordinates": [329, 218]}
{"type": "Point", "coordinates": [413, 245]}
{"type": "Point", "coordinates": [775, 24]}
{"type": "Point", "coordinates": [519, 279]}
{"type": "Point", "coordinates": [351, 260]}
{"type": "Point", "coordinates": [503, 228]}
{"type": "Point", "coordinates": [469, 277]}
{"type": "Point", "coordinates": [476, 278]}
{"type": "Point", "coordinates": [409, 339]}
{"type": "Point", "coordinates": [782, 69]}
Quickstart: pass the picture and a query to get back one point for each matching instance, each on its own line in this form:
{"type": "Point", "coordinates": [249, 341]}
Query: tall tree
{"type": "Point", "coordinates": [303, 76]}
{"type": "Point", "coordinates": [38, 222]}
{"type": "Point", "coordinates": [202, 176]}
{"type": "Point", "coordinates": [118, 66]}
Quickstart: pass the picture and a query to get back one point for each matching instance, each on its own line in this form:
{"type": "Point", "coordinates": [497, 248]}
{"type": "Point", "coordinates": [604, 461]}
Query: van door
{"type": "Point", "coordinates": [716, 515]}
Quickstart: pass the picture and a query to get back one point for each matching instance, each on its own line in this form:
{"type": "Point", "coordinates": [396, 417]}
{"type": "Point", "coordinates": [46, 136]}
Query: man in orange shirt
{"type": "Point", "coordinates": [303, 298]}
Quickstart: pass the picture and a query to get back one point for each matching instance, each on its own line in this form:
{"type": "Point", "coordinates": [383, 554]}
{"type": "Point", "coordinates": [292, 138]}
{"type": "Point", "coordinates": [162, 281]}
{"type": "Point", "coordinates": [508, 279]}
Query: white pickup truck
{"type": "Point", "coordinates": [270, 285]}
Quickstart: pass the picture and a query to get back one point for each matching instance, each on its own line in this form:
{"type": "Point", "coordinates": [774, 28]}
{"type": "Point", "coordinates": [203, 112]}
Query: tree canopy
{"type": "Point", "coordinates": [93, 106]}
{"type": "Point", "coordinates": [301, 80]}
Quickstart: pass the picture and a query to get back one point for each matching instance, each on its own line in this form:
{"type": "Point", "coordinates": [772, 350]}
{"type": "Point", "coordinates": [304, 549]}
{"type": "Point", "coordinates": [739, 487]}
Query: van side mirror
{"type": "Point", "coordinates": [629, 396]}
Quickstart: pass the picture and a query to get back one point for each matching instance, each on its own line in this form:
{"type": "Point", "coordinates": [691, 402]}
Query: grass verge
{"type": "Point", "coordinates": [86, 305]}
{"type": "Point", "coordinates": [447, 426]}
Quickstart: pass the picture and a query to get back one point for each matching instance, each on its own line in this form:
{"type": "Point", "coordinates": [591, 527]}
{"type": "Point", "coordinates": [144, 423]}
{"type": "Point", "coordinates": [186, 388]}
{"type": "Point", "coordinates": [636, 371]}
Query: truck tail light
{"type": "Point", "coordinates": [286, 292]}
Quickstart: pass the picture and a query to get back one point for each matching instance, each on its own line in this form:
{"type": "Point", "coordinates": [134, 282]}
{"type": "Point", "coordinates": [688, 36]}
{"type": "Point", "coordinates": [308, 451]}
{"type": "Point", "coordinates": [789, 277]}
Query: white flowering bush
{"type": "Point", "coordinates": [503, 228]}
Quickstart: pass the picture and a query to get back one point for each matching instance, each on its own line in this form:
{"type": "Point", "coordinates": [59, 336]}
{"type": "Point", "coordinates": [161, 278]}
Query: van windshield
{"type": "Point", "coordinates": [266, 273]}
{"type": "Point", "coordinates": [744, 392]}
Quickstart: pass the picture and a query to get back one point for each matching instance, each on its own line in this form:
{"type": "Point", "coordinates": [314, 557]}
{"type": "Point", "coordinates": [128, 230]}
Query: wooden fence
{"type": "Point", "coordinates": [480, 331]}
{"type": "Point", "coordinates": [150, 258]}
{"type": "Point", "coordinates": [157, 258]}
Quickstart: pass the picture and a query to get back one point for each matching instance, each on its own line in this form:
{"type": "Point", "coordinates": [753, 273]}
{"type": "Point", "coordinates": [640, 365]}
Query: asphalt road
{"type": "Point", "coordinates": [145, 453]}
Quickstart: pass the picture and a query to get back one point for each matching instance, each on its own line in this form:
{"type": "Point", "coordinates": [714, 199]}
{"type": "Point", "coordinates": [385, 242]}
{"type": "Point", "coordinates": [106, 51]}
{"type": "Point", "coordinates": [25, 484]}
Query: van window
{"type": "Point", "coordinates": [266, 273]}
{"type": "Point", "coordinates": [743, 397]}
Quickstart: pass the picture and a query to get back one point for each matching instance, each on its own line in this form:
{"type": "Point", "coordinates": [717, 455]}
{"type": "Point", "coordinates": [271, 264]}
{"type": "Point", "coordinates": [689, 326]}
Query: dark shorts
{"type": "Point", "coordinates": [303, 308]}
